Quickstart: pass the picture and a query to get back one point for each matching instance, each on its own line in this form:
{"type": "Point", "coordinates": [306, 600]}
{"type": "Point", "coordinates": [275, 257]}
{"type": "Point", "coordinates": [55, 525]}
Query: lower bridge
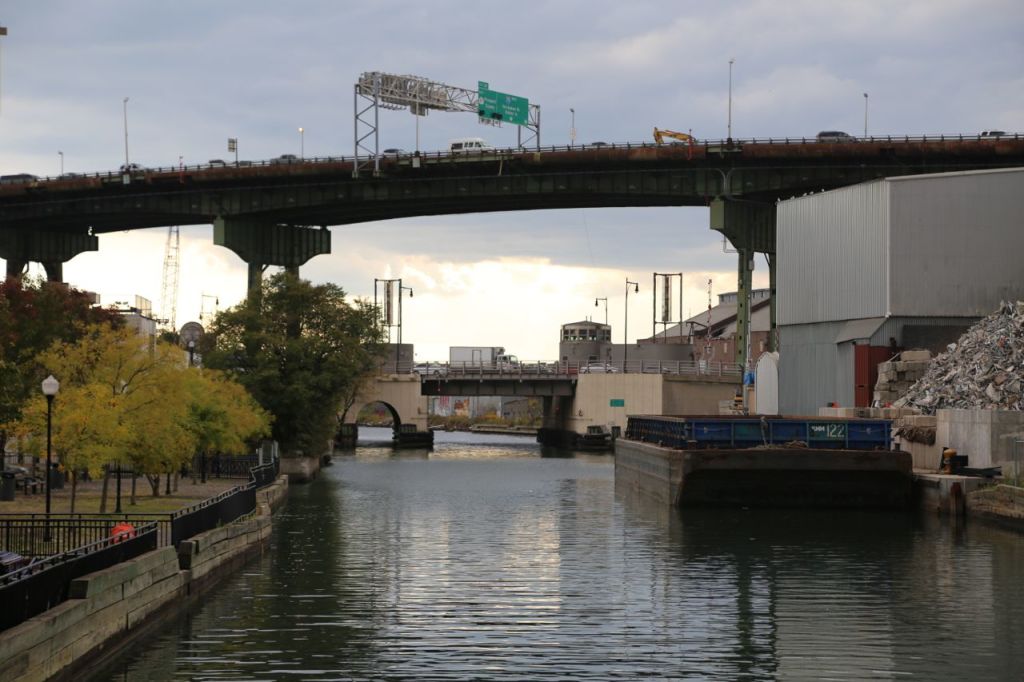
{"type": "Point", "coordinates": [573, 404]}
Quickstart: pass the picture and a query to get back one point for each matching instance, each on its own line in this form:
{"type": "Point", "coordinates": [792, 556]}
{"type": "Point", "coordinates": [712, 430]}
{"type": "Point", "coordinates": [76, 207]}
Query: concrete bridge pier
{"type": "Point", "coordinates": [554, 428]}
{"type": "Point", "coordinates": [750, 227]}
{"type": "Point", "coordinates": [52, 249]}
{"type": "Point", "coordinates": [261, 244]}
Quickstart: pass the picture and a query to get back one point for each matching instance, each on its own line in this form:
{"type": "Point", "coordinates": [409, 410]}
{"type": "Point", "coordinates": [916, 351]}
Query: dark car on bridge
{"type": "Point", "coordinates": [835, 136]}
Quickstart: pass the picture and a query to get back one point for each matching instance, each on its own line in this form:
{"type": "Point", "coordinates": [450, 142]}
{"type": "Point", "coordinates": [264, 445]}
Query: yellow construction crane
{"type": "Point", "coordinates": [660, 135]}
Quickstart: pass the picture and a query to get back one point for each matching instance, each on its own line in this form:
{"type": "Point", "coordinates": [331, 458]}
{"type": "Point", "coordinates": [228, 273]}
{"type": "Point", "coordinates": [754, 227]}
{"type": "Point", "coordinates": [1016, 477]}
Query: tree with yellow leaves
{"type": "Point", "coordinates": [125, 398]}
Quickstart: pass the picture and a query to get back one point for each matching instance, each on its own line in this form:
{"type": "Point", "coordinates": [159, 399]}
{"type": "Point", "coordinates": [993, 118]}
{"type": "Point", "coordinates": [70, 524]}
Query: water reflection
{"type": "Point", "coordinates": [483, 559]}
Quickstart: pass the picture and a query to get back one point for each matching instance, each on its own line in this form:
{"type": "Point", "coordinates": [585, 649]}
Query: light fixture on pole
{"type": "Point", "coordinates": [50, 388]}
{"type": "Point", "coordinates": [625, 325]}
{"type": "Point", "coordinates": [302, 142]}
{"type": "Point", "coordinates": [865, 114]}
{"type": "Point", "coordinates": [731, 60]}
{"type": "Point", "coordinates": [61, 155]}
{"type": "Point", "coordinates": [126, 134]}
{"type": "Point", "coordinates": [191, 352]}
{"type": "Point", "coordinates": [400, 290]}
{"type": "Point", "coordinates": [572, 126]}
{"type": "Point", "coordinates": [605, 307]}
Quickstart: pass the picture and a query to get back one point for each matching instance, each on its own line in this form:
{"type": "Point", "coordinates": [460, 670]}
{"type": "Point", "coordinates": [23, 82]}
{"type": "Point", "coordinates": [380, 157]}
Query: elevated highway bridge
{"type": "Point", "coordinates": [278, 213]}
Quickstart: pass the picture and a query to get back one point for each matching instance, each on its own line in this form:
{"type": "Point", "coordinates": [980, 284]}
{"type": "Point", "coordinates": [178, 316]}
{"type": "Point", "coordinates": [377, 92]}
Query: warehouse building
{"type": "Point", "coordinates": [904, 262]}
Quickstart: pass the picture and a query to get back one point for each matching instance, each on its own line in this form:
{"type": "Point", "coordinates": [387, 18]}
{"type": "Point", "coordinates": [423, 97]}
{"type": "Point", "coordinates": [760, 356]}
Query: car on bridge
{"type": "Point", "coordinates": [394, 151]}
{"type": "Point", "coordinates": [285, 158]}
{"type": "Point", "coordinates": [835, 136]}
{"type": "Point", "coordinates": [433, 369]}
{"type": "Point", "coordinates": [992, 133]}
{"type": "Point", "coordinates": [17, 177]}
{"type": "Point", "coordinates": [599, 368]}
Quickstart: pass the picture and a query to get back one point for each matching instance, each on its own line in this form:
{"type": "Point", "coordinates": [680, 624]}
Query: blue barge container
{"type": "Point", "coordinates": [737, 432]}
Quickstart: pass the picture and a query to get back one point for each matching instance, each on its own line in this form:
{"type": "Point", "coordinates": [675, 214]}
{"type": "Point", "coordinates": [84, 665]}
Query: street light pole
{"type": "Point", "coordinates": [625, 325]}
{"type": "Point", "coordinates": [126, 133]}
{"type": "Point", "coordinates": [572, 127]}
{"type": "Point", "coordinates": [50, 388]}
{"type": "Point", "coordinates": [865, 114]}
{"type": "Point", "coordinates": [61, 155]}
{"type": "Point", "coordinates": [605, 307]}
{"type": "Point", "coordinates": [302, 142]}
{"type": "Point", "coordinates": [731, 60]}
{"type": "Point", "coordinates": [191, 352]}
{"type": "Point", "coordinates": [400, 290]}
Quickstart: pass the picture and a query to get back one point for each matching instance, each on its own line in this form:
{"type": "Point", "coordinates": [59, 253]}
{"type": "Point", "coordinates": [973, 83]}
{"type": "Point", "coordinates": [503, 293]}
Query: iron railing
{"type": "Point", "coordinates": [35, 535]}
{"type": "Point", "coordinates": [445, 155]}
{"type": "Point", "coordinates": [562, 370]}
{"type": "Point", "coordinates": [43, 584]}
{"type": "Point", "coordinates": [224, 508]}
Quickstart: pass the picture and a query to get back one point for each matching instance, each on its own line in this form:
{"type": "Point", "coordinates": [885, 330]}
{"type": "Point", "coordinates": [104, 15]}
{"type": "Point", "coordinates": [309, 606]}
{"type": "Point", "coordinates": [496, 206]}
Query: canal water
{"type": "Point", "coordinates": [490, 559]}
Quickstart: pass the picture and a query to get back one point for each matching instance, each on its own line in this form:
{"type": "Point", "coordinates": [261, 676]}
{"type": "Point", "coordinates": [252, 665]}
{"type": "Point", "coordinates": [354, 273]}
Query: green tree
{"type": "Point", "coordinates": [33, 315]}
{"type": "Point", "coordinates": [298, 349]}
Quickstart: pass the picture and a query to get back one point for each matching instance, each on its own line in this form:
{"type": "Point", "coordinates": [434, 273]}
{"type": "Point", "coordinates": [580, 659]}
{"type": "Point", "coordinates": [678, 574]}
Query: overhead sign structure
{"type": "Point", "coordinates": [500, 106]}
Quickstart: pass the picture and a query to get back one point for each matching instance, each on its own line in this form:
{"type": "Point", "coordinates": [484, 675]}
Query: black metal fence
{"type": "Point", "coordinates": [35, 535]}
{"type": "Point", "coordinates": [224, 466]}
{"type": "Point", "coordinates": [61, 547]}
{"type": "Point", "coordinates": [216, 511]}
{"type": "Point", "coordinates": [43, 584]}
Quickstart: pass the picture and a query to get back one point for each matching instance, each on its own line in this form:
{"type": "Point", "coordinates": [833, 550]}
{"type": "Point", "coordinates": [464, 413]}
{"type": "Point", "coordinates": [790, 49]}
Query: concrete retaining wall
{"type": "Point", "coordinates": [300, 469]}
{"type": "Point", "coordinates": [108, 606]}
{"type": "Point", "coordinates": [985, 436]}
{"type": "Point", "coordinates": [1002, 504]}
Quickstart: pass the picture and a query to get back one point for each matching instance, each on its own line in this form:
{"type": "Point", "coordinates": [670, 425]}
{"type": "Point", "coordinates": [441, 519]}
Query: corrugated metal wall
{"type": "Point", "coordinates": [807, 367]}
{"type": "Point", "coordinates": [957, 243]}
{"type": "Point", "coordinates": [832, 253]}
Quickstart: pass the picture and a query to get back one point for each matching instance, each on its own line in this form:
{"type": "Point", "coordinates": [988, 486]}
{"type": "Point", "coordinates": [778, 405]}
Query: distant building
{"type": "Point", "coordinates": [719, 346]}
{"type": "Point", "coordinates": [139, 316]}
{"type": "Point", "coordinates": [587, 342]}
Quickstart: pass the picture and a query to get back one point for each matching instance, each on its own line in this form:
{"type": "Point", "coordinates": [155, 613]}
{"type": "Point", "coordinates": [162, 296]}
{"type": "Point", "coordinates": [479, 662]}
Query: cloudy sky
{"type": "Point", "coordinates": [199, 72]}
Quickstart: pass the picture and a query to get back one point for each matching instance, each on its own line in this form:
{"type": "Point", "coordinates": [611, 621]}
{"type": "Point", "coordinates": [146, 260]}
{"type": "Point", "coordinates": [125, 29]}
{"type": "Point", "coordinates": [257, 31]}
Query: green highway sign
{"type": "Point", "coordinates": [617, 402]}
{"type": "Point", "coordinates": [500, 106]}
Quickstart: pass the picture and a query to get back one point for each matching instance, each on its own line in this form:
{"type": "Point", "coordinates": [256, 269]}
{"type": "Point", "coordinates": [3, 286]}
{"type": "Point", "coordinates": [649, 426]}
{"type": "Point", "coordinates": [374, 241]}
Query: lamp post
{"type": "Point", "coordinates": [61, 155]}
{"type": "Point", "coordinates": [302, 142]}
{"type": "Point", "coordinates": [572, 126]}
{"type": "Point", "coordinates": [191, 352]}
{"type": "Point", "coordinates": [865, 114]}
{"type": "Point", "coordinates": [126, 133]}
{"type": "Point", "coordinates": [625, 325]}
{"type": "Point", "coordinates": [605, 307]}
{"type": "Point", "coordinates": [731, 60]}
{"type": "Point", "coordinates": [50, 388]}
{"type": "Point", "coordinates": [400, 290]}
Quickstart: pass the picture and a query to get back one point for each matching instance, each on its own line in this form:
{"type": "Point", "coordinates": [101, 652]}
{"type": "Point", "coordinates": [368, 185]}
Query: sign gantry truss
{"type": "Point", "coordinates": [375, 91]}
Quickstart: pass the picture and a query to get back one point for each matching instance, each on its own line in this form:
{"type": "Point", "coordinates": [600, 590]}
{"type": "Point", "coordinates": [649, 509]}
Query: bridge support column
{"type": "Point", "coordinates": [52, 249]}
{"type": "Point", "coordinates": [750, 226]}
{"type": "Point", "coordinates": [261, 244]}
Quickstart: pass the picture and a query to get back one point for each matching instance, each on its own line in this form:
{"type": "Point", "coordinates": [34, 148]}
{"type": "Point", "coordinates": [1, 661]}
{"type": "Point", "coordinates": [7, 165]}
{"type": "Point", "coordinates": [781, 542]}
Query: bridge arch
{"type": "Point", "coordinates": [353, 412]}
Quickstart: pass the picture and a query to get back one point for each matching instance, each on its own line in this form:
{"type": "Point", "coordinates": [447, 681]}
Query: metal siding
{"type": "Point", "coordinates": [845, 380]}
{"type": "Point", "coordinates": [807, 367]}
{"type": "Point", "coordinates": [832, 251]}
{"type": "Point", "coordinates": [956, 242]}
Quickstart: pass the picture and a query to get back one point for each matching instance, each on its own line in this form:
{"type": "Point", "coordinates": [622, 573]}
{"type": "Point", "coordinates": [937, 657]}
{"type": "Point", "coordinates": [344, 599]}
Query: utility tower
{"type": "Point", "coordinates": [169, 291]}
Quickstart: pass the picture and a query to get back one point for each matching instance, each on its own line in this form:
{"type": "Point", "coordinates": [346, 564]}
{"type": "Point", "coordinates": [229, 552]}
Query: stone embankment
{"type": "Point", "coordinates": [107, 608]}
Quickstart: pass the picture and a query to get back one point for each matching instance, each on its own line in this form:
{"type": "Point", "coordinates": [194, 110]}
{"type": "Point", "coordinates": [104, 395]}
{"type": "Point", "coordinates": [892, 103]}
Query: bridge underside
{"type": "Point", "coordinates": [268, 213]}
{"type": "Point", "coordinates": [504, 387]}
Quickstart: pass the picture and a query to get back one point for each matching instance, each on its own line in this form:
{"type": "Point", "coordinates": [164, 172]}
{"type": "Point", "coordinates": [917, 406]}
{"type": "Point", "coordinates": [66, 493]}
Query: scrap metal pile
{"type": "Point", "coordinates": [984, 369]}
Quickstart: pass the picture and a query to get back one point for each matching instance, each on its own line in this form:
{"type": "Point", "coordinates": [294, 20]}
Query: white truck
{"type": "Point", "coordinates": [481, 358]}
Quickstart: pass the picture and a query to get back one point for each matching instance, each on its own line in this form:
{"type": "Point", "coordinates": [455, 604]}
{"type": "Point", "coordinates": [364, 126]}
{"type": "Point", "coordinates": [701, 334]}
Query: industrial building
{"type": "Point", "coordinates": [712, 333]}
{"type": "Point", "coordinates": [586, 342]}
{"type": "Point", "coordinates": [903, 262]}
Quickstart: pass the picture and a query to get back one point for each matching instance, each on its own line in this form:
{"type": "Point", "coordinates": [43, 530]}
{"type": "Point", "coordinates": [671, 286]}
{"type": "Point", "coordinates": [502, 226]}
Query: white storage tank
{"type": "Point", "coordinates": [766, 383]}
